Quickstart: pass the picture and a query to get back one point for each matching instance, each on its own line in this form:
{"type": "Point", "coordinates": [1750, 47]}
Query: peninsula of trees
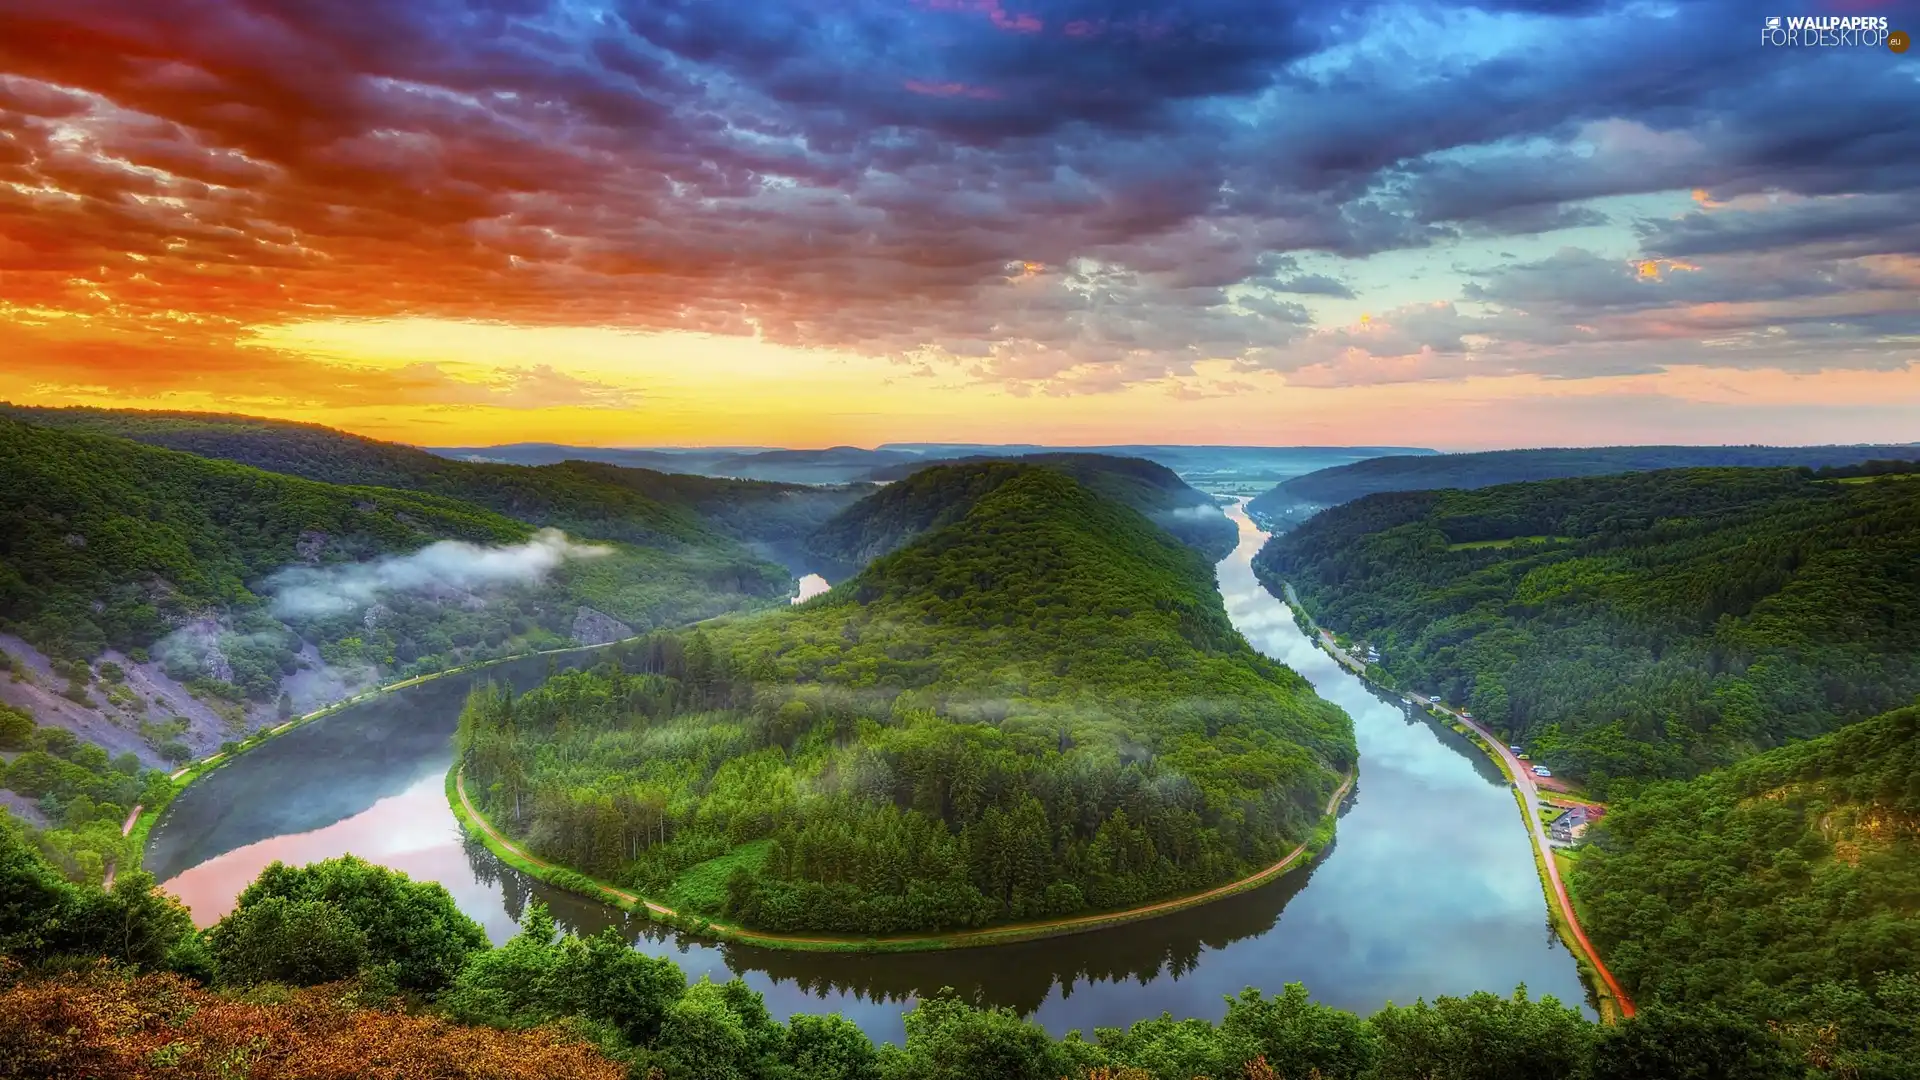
{"type": "Point", "coordinates": [1035, 707]}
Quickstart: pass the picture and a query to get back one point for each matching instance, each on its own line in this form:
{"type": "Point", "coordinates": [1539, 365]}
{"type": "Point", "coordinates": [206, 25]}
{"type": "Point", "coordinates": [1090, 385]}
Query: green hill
{"type": "Point", "coordinates": [922, 496]}
{"type": "Point", "coordinates": [588, 497]}
{"type": "Point", "coordinates": [1644, 625]}
{"type": "Point", "coordinates": [1294, 500]}
{"type": "Point", "coordinates": [1037, 706]}
{"type": "Point", "coordinates": [1786, 886]}
{"type": "Point", "coordinates": [108, 542]}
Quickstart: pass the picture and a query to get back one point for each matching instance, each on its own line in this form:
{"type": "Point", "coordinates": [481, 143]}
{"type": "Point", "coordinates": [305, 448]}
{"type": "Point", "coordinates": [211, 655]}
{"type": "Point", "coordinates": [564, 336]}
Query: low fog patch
{"type": "Point", "coordinates": [445, 568]}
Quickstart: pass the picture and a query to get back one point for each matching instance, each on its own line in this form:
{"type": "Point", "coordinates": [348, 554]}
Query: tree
{"type": "Point", "coordinates": [415, 925]}
{"type": "Point", "coordinates": [1481, 1037]}
{"type": "Point", "coordinates": [947, 1039]}
{"type": "Point", "coordinates": [1701, 1044]}
{"type": "Point", "coordinates": [1307, 1036]}
{"type": "Point", "coordinates": [830, 1047]}
{"type": "Point", "coordinates": [16, 728]}
{"type": "Point", "coordinates": [703, 1038]}
{"type": "Point", "coordinates": [298, 942]}
{"type": "Point", "coordinates": [44, 917]}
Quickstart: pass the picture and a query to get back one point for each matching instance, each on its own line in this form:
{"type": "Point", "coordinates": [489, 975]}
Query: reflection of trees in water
{"type": "Point", "coordinates": [323, 773]}
{"type": "Point", "coordinates": [1020, 976]}
{"type": "Point", "coordinates": [1023, 975]}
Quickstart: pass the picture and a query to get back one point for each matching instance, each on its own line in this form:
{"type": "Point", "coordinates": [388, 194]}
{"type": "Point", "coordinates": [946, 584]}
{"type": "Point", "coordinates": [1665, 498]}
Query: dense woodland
{"type": "Point", "coordinates": [341, 969]}
{"type": "Point", "coordinates": [1036, 709]}
{"type": "Point", "coordinates": [1295, 499]}
{"type": "Point", "coordinates": [1786, 887]}
{"type": "Point", "coordinates": [876, 526]}
{"type": "Point", "coordinates": [1651, 625]}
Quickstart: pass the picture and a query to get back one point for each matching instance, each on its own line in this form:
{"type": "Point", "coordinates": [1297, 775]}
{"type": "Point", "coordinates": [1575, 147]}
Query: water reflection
{"type": "Point", "coordinates": [1430, 888]}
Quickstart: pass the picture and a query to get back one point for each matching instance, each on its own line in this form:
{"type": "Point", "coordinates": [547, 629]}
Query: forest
{"type": "Point", "coordinates": [878, 525]}
{"type": "Point", "coordinates": [342, 969]}
{"type": "Point", "coordinates": [1636, 627]}
{"type": "Point", "coordinates": [1785, 887]}
{"type": "Point", "coordinates": [1298, 498]}
{"type": "Point", "coordinates": [1035, 708]}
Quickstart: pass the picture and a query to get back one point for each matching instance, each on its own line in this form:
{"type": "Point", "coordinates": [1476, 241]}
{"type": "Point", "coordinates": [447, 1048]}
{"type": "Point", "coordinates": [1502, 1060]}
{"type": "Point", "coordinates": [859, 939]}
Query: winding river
{"type": "Point", "coordinates": [1429, 888]}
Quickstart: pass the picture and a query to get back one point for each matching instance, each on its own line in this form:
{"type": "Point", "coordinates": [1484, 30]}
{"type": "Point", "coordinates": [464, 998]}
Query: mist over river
{"type": "Point", "coordinates": [1429, 889]}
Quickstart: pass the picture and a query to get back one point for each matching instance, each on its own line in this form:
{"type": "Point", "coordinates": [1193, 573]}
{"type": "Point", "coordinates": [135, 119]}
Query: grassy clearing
{"type": "Point", "coordinates": [1877, 479]}
{"type": "Point", "coordinates": [703, 887]}
{"type": "Point", "coordinates": [1477, 545]}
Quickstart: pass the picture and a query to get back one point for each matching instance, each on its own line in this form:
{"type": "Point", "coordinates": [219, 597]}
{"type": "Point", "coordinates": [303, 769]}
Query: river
{"type": "Point", "coordinates": [1429, 888]}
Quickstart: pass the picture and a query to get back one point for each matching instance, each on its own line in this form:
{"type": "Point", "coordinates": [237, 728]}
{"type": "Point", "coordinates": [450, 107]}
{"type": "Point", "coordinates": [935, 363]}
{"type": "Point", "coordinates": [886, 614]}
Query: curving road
{"type": "Point", "coordinates": [1530, 793]}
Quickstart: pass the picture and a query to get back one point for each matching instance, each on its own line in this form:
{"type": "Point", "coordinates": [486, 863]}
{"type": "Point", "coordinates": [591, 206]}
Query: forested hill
{"type": "Point", "coordinates": [1301, 496]}
{"type": "Point", "coordinates": [104, 542]}
{"type": "Point", "coordinates": [1037, 708]}
{"type": "Point", "coordinates": [595, 498]}
{"type": "Point", "coordinates": [1786, 887]}
{"type": "Point", "coordinates": [923, 496]}
{"type": "Point", "coordinates": [1645, 625]}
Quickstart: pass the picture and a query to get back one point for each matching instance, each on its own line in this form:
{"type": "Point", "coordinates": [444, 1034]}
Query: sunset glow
{"type": "Point", "coordinates": [791, 224]}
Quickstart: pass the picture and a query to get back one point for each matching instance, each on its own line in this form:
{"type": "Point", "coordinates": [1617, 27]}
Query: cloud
{"type": "Point", "coordinates": [860, 176]}
{"type": "Point", "coordinates": [448, 567]}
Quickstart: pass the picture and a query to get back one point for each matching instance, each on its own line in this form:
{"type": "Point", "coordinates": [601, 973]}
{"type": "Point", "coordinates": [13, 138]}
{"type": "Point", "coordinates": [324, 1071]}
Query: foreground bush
{"type": "Point", "coordinates": [101, 1023]}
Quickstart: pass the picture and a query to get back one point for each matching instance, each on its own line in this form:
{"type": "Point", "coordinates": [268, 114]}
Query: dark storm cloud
{"type": "Point", "coordinates": [1041, 189]}
{"type": "Point", "coordinates": [1876, 224]}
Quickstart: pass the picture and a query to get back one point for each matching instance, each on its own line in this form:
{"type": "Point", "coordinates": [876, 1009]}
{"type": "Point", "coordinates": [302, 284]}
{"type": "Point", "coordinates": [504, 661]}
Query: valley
{"type": "Point", "coordinates": [1428, 888]}
{"type": "Point", "coordinates": [1035, 728]}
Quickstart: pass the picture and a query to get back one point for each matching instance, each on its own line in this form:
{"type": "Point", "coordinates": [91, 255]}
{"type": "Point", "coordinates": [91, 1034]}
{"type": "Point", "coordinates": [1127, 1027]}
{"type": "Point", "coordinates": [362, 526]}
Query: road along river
{"type": "Point", "coordinates": [1429, 888]}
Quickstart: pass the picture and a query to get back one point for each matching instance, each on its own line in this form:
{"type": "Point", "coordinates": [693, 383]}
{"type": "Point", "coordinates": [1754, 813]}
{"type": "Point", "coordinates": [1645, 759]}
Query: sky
{"type": "Point", "coordinates": [1453, 223]}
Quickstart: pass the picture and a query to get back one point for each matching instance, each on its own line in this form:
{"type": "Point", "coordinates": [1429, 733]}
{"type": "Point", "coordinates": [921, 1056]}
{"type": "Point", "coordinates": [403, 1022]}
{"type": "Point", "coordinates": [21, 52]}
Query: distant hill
{"type": "Point", "coordinates": [1236, 470]}
{"type": "Point", "coordinates": [598, 498]}
{"type": "Point", "coordinates": [1651, 624]}
{"type": "Point", "coordinates": [1036, 706]}
{"type": "Point", "coordinates": [1783, 887]}
{"type": "Point", "coordinates": [694, 460]}
{"type": "Point", "coordinates": [922, 496]}
{"type": "Point", "coordinates": [108, 542]}
{"type": "Point", "coordinates": [1294, 500]}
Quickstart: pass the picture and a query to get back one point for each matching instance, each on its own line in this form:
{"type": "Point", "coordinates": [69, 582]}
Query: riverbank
{"type": "Point", "coordinates": [140, 822]}
{"type": "Point", "coordinates": [1610, 998]}
{"type": "Point", "coordinates": [573, 881]}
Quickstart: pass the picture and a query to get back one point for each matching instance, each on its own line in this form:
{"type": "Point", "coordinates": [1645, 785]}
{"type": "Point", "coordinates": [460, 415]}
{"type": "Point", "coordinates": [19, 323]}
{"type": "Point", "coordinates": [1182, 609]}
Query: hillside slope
{"type": "Point", "coordinates": [1036, 707]}
{"type": "Point", "coordinates": [1298, 498]}
{"type": "Point", "coordinates": [1645, 625]}
{"type": "Point", "coordinates": [923, 496]}
{"type": "Point", "coordinates": [595, 498]}
{"type": "Point", "coordinates": [1786, 886]}
{"type": "Point", "coordinates": [106, 542]}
